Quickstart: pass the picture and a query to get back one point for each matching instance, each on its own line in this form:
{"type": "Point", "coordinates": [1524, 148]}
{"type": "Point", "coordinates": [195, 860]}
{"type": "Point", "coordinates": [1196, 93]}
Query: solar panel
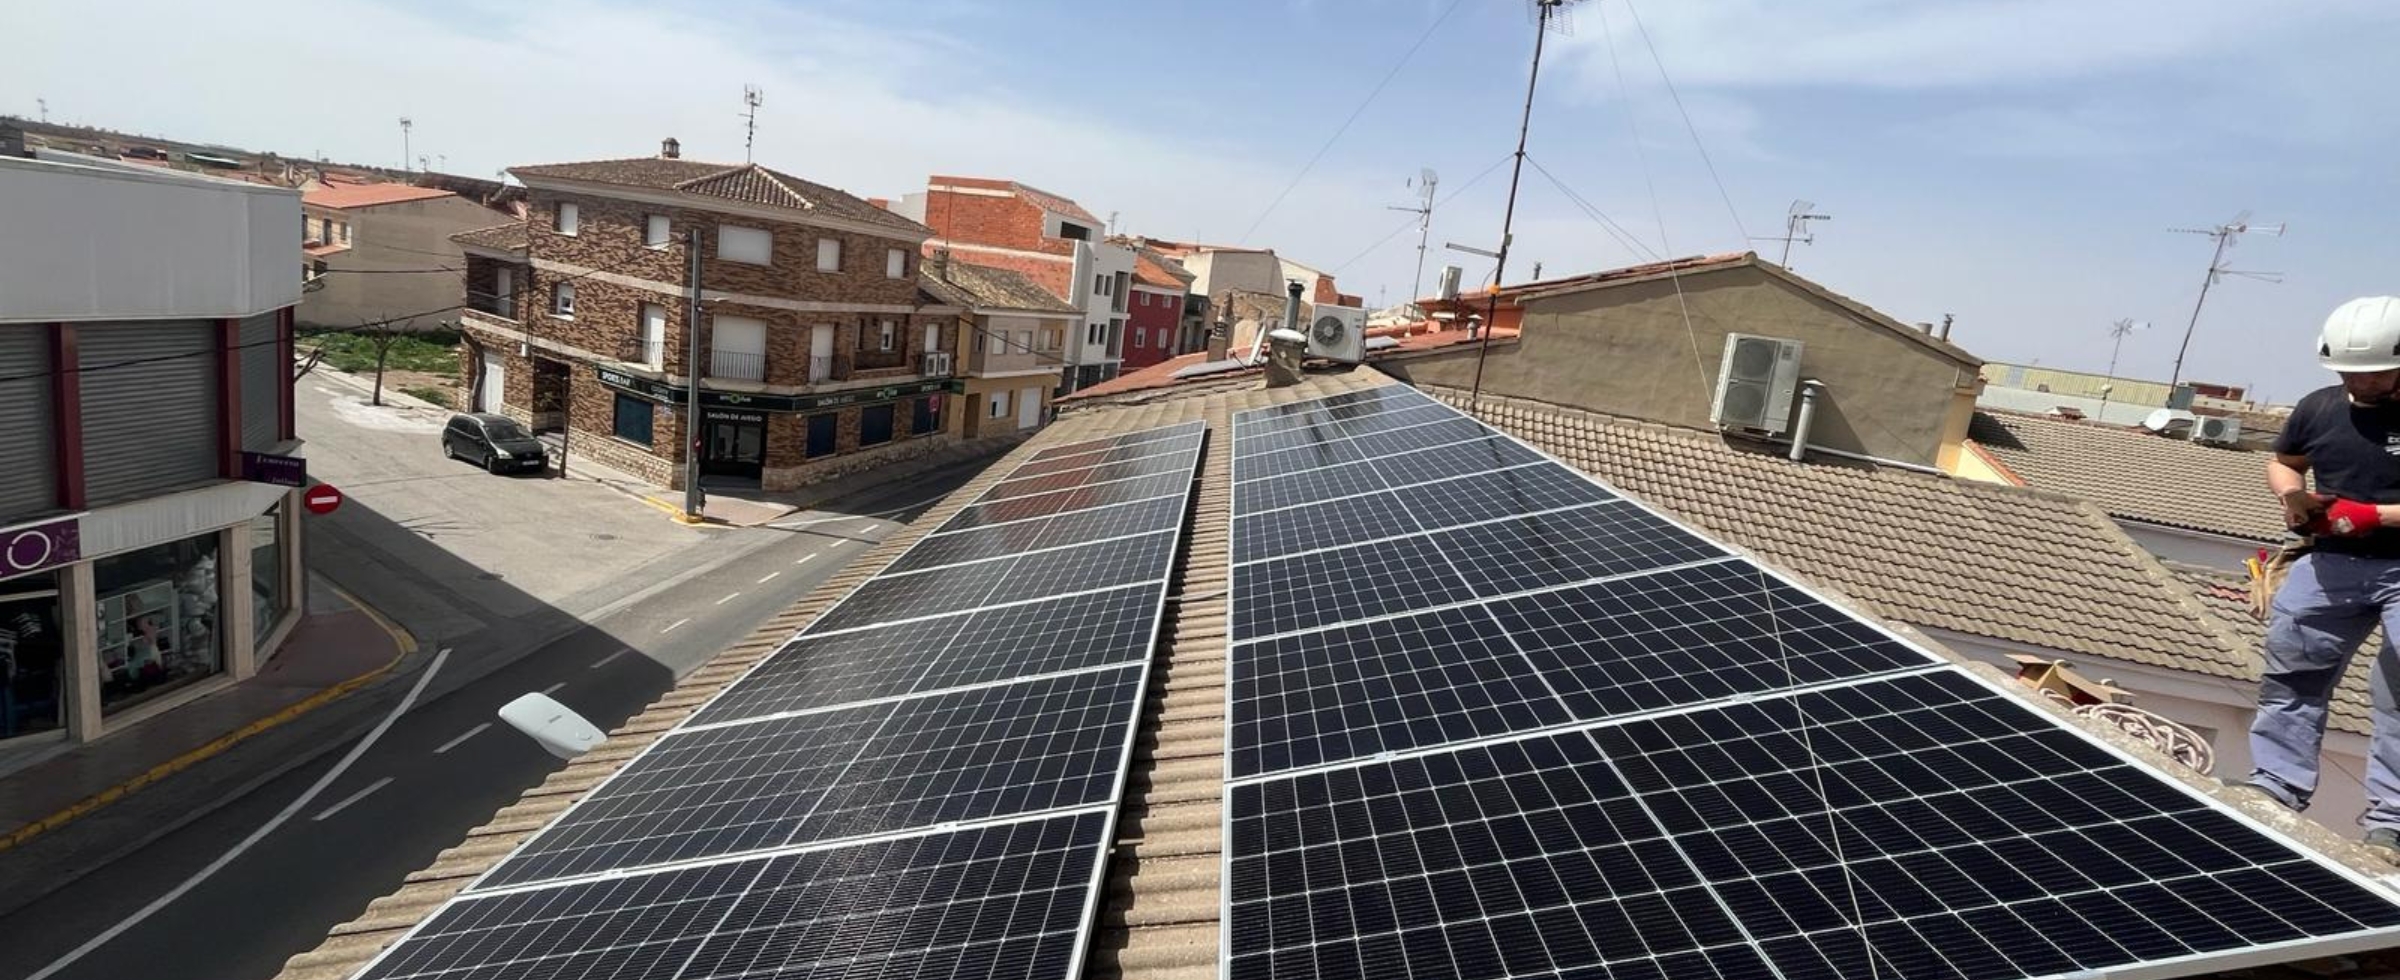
{"type": "Point", "coordinates": [905, 595]}
{"type": "Point", "coordinates": [1187, 431]}
{"type": "Point", "coordinates": [1101, 457]}
{"type": "Point", "coordinates": [1062, 501]}
{"type": "Point", "coordinates": [1343, 427]}
{"type": "Point", "coordinates": [1113, 521]}
{"type": "Point", "coordinates": [996, 902]}
{"type": "Point", "coordinates": [846, 772]}
{"type": "Point", "coordinates": [1922, 826]}
{"type": "Point", "coordinates": [1105, 473]}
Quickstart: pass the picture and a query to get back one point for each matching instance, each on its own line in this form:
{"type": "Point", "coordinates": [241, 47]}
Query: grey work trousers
{"type": "Point", "coordinates": [2324, 610]}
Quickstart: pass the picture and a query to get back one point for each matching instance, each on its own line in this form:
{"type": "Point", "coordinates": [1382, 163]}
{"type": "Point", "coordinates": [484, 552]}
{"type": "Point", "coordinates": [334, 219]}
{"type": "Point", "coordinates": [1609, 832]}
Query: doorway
{"type": "Point", "coordinates": [550, 381]}
{"type": "Point", "coordinates": [734, 446]}
{"type": "Point", "coordinates": [487, 394]}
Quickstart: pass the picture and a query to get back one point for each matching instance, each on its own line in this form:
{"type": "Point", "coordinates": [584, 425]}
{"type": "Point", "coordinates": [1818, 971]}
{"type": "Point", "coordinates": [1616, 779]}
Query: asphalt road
{"type": "Point", "coordinates": [445, 765]}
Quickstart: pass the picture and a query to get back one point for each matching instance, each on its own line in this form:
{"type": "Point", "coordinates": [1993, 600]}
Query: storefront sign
{"type": "Point", "coordinates": [662, 391]}
{"type": "Point", "coordinates": [282, 471]}
{"type": "Point", "coordinates": [321, 499]}
{"type": "Point", "coordinates": [733, 415]}
{"type": "Point", "coordinates": [40, 546]}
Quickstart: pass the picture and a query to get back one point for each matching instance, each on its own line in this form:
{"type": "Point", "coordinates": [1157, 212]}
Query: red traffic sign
{"type": "Point", "coordinates": [321, 499]}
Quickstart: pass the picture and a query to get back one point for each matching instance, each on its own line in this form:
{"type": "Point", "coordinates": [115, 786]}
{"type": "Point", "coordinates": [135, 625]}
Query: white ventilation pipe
{"type": "Point", "coordinates": [1808, 415]}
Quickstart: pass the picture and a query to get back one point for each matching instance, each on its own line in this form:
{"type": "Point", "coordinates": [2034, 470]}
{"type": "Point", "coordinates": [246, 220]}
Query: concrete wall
{"type": "Point", "coordinates": [1624, 350]}
{"type": "Point", "coordinates": [1214, 272]}
{"type": "Point", "coordinates": [407, 235]}
{"type": "Point", "coordinates": [93, 240]}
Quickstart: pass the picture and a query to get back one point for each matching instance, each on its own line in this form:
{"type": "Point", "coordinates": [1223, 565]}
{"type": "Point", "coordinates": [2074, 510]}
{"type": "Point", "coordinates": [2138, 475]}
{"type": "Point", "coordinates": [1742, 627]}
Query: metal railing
{"type": "Point", "coordinates": [820, 368]}
{"type": "Point", "coordinates": [871, 360]}
{"type": "Point", "coordinates": [737, 365]}
{"type": "Point", "coordinates": [650, 352]}
{"type": "Point", "coordinates": [934, 364]}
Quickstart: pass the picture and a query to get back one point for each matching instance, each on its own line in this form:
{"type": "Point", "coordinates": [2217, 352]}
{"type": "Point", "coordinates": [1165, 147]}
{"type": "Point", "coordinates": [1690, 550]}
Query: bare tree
{"type": "Point", "coordinates": [381, 335]}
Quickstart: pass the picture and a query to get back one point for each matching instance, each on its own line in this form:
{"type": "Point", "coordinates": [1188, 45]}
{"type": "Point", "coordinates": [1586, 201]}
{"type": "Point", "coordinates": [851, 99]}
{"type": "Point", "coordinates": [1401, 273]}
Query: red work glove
{"type": "Point", "coordinates": [2350, 519]}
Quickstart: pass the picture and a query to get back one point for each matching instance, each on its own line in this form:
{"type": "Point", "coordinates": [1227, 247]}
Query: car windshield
{"type": "Point", "coordinates": [504, 429]}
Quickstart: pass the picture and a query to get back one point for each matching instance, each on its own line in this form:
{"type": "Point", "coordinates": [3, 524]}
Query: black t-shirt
{"type": "Point", "coordinates": [2353, 452]}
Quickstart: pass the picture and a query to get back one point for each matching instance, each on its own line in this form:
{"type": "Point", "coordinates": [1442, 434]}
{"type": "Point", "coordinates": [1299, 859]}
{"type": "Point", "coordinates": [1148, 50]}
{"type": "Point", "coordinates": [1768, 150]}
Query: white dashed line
{"type": "Point", "coordinates": [671, 626]}
{"type": "Point", "coordinates": [352, 798]}
{"type": "Point", "coordinates": [729, 598]}
{"type": "Point", "coordinates": [770, 577]}
{"type": "Point", "coordinates": [470, 733]}
{"type": "Point", "coordinates": [553, 689]}
{"type": "Point", "coordinates": [597, 664]}
{"type": "Point", "coordinates": [804, 559]}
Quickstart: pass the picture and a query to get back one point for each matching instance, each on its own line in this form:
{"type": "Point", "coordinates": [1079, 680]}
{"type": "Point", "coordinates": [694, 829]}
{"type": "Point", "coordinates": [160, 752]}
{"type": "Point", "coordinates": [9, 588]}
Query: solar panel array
{"type": "Point", "coordinates": [1488, 718]}
{"type": "Point", "coordinates": [922, 783]}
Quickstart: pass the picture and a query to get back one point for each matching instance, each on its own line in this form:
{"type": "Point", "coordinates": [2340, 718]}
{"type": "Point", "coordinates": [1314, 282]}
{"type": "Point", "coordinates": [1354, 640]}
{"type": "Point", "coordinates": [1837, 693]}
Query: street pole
{"type": "Point", "coordinates": [692, 499]}
{"type": "Point", "coordinates": [1508, 218]}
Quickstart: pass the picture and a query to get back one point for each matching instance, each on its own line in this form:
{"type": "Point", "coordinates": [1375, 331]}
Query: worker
{"type": "Point", "coordinates": [2348, 437]}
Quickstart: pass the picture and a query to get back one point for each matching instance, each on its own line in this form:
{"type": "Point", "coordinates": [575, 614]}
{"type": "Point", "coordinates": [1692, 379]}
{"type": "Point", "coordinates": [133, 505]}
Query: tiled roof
{"type": "Point", "coordinates": [1159, 915]}
{"type": "Point", "coordinates": [322, 250]}
{"type": "Point", "coordinates": [508, 237]}
{"type": "Point", "coordinates": [345, 195]}
{"type": "Point", "coordinates": [1055, 204]}
{"type": "Point", "coordinates": [746, 183]}
{"type": "Point", "coordinates": [1153, 269]}
{"type": "Point", "coordinates": [1162, 374]}
{"type": "Point", "coordinates": [2136, 475]}
{"type": "Point", "coordinates": [1001, 289]}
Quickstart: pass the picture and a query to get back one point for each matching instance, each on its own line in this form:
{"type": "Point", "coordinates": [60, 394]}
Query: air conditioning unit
{"type": "Point", "coordinates": [2216, 430]}
{"type": "Point", "coordinates": [1756, 380]}
{"type": "Point", "coordinates": [1338, 333]}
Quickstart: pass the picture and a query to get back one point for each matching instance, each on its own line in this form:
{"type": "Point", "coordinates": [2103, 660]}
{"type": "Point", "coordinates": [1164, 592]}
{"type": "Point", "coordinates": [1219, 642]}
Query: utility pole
{"type": "Point", "coordinates": [405, 123]}
{"type": "Point", "coordinates": [1546, 11]}
{"type": "Point", "coordinates": [2117, 330]}
{"type": "Point", "coordinates": [2226, 236]}
{"type": "Point", "coordinates": [1425, 181]}
{"type": "Point", "coordinates": [693, 501]}
{"type": "Point", "coordinates": [752, 98]}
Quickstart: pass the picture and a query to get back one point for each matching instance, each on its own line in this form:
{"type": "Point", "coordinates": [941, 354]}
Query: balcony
{"type": "Point", "coordinates": [504, 307]}
{"type": "Point", "coordinates": [877, 360]}
{"type": "Point", "coordinates": [648, 352]}
{"type": "Point", "coordinates": [725, 365]}
{"type": "Point", "coordinates": [933, 364]}
{"type": "Point", "coordinates": [820, 368]}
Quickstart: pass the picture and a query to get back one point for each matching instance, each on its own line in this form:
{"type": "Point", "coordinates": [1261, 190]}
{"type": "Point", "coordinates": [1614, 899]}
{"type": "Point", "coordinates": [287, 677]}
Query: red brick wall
{"type": "Point", "coordinates": [591, 423]}
{"type": "Point", "coordinates": [1155, 323]}
{"type": "Point", "coordinates": [1008, 222]}
{"type": "Point", "coordinates": [609, 237]}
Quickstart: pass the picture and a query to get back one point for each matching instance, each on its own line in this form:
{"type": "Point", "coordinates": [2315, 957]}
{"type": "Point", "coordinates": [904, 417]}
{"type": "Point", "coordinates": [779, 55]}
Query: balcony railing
{"type": "Point", "coordinates": [737, 365]}
{"type": "Point", "coordinates": [872, 360]}
{"type": "Point", "coordinates": [504, 307]}
{"type": "Point", "coordinates": [650, 352]}
{"type": "Point", "coordinates": [934, 364]}
{"type": "Point", "coordinates": [820, 368]}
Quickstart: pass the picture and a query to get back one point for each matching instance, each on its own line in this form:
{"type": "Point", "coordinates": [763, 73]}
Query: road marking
{"type": "Point", "coordinates": [804, 558]}
{"type": "Point", "coordinates": [671, 626]}
{"type": "Point", "coordinates": [453, 743]}
{"type": "Point", "coordinates": [352, 798]}
{"type": "Point", "coordinates": [554, 687]}
{"type": "Point", "coordinates": [870, 527]}
{"type": "Point", "coordinates": [770, 576]}
{"type": "Point", "coordinates": [597, 664]}
{"type": "Point", "coordinates": [298, 804]}
{"type": "Point", "coordinates": [729, 598]}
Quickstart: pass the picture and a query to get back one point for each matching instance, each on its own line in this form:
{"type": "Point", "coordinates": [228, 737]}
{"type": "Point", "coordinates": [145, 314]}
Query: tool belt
{"type": "Point", "coordinates": [2268, 571]}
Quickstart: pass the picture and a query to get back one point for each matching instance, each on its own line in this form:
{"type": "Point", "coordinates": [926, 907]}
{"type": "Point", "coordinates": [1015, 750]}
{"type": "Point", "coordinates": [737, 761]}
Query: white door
{"type": "Point", "coordinates": [487, 398]}
{"type": "Point", "coordinates": [1029, 407]}
{"type": "Point", "coordinates": [933, 338]}
{"type": "Point", "coordinates": [654, 334]}
{"type": "Point", "coordinates": [737, 348]}
{"type": "Point", "coordinates": [820, 352]}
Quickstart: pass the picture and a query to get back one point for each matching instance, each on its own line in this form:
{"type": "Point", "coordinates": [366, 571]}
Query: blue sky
{"type": "Point", "coordinates": [2014, 162]}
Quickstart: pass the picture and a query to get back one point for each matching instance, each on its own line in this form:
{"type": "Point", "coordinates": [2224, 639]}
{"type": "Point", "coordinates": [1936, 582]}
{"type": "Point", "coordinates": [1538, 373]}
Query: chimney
{"type": "Point", "coordinates": [1284, 350]}
{"type": "Point", "coordinates": [670, 149]}
{"type": "Point", "coordinates": [941, 264]}
{"type": "Point", "coordinates": [1220, 335]}
{"type": "Point", "coordinates": [1946, 318]}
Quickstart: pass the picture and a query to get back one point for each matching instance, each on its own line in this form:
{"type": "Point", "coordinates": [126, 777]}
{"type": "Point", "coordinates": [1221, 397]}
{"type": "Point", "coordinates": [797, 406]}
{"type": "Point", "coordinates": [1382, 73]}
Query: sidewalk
{"type": "Point", "coordinates": [337, 647]}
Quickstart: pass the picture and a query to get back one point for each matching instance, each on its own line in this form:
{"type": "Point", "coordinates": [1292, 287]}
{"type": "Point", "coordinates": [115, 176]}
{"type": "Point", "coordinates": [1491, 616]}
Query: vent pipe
{"type": "Point", "coordinates": [1808, 415]}
{"type": "Point", "coordinates": [1291, 306]}
{"type": "Point", "coordinates": [1284, 349]}
{"type": "Point", "coordinates": [1946, 318]}
{"type": "Point", "coordinates": [670, 149]}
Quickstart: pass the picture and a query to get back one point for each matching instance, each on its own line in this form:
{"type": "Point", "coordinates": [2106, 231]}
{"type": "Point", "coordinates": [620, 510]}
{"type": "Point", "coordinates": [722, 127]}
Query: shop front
{"type": "Point", "coordinates": [733, 445]}
{"type": "Point", "coordinates": [778, 441]}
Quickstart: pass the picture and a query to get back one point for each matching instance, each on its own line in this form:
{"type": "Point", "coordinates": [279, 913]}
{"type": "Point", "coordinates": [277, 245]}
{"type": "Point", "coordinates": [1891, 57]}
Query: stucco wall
{"type": "Point", "coordinates": [408, 235]}
{"type": "Point", "coordinates": [1624, 350]}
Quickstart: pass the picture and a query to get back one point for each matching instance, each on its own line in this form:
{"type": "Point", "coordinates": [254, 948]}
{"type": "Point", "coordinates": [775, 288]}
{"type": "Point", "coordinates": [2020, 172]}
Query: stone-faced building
{"type": "Point", "coordinates": [821, 352]}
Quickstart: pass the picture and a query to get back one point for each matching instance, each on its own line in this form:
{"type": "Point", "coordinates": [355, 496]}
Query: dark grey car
{"type": "Point", "coordinates": [495, 442]}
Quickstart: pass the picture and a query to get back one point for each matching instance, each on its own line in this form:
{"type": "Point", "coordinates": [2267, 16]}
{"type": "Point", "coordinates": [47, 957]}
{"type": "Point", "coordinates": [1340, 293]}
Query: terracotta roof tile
{"type": "Point", "coordinates": [508, 237]}
{"type": "Point", "coordinates": [744, 183]}
{"type": "Point", "coordinates": [996, 288]}
{"type": "Point", "coordinates": [347, 195]}
{"type": "Point", "coordinates": [2135, 475]}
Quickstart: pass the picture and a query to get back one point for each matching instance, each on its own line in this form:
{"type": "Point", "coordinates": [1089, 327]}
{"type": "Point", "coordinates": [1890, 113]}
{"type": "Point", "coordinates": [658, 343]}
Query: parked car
{"type": "Point", "coordinates": [495, 442]}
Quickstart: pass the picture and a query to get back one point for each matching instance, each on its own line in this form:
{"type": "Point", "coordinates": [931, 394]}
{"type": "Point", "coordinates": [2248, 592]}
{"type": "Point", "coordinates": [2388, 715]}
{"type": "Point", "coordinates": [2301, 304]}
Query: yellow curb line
{"type": "Point", "coordinates": [83, 807]}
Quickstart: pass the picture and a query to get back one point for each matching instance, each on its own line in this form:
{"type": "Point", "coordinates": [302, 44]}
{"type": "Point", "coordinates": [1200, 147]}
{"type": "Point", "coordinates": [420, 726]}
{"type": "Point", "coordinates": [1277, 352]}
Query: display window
{"type": "Point", "coordinates": [32, 647]}
{"type": "Point", "coordinates": [269, 595]}
{"type": "Point", "coordinates": [158, 620]}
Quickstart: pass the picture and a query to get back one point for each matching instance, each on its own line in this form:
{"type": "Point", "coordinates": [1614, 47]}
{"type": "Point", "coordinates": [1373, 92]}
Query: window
{"type": "Point", "coordinates": [885, 335]}
{"type": "Point", "coordinates": [567, 215]}
{"type": "Point", "coordinates": [562, 299]}
{"type": "Point", "coordinates": [1145, 299]}
{"type": "Point", "coordinates": [998, 400]}
{"type": "Point", "coordinates": [654, 334]}
{"type": "Point", "coordinates": [875, 424]}
{"type": "Point", "coordinates": [1024, 341]}
{"type": "Point", "coordinates": [821, 432]}
{"type": "Point", "coordinates": [317, 269]}
{"type": "Point", "coordinates": [1141, 338]}
{"type": "Point", "coordinates": [895, 263]}
{"type": "Point", "coordinates": [1100, 285]}
{"type": "Point", "coordinates": [654, 231]}
{"type": "Point", "coordinates": [633, 419]}
{"type": "Point", "coordinates": [829, 255]}
{"type": "Point", "coordinates": [344, 228]}
{"type": "Point", "coordinates": [979, 341]}
{"type": "Point", "coordinates": [1071, 230]}
{"type": "Point", "coordinates": [752, 246]}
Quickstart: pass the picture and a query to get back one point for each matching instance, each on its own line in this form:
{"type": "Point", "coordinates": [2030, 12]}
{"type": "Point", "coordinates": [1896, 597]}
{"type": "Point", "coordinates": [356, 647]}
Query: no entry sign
{"type": "Point", "coordinates": [321, 499]}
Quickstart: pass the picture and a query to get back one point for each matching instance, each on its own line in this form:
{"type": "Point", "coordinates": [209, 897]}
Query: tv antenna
{"type": "Point", "coordinates": [44, 106]}
{"type": "Point", "coordinates": [1549, 16]}
{"type": "Point", "coordinates": [405, 123]}
{"type": "Point", "coordinates": [1424, 182]}
{"type": "Point", "coordinates": [752, 98]}
{"type": "Point", "coordinates": [2227, 235]}
{"type": "Point", "coordinates": [1795, 229]}
{"type": "Point", "coordinates": [2117, 331]}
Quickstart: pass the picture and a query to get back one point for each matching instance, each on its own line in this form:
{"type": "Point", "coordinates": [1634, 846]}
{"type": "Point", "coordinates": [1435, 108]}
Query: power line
{"type": "Point", "coordinates": [1730, 210]}
{"type": "Point", "coordinates": [1447, 198]}
{"type": "Point", "coordinates": [1354, 114]}
{"type": "Point", "coordinates": [1606, 223]}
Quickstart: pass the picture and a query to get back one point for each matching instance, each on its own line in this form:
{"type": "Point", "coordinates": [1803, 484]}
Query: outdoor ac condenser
{"type": "Point", "coordinates": [1338, 333]}
{"type": "Point", "coordinates": [2216, 430]}
{"type": "Point", "coordinates": [1755, 382]}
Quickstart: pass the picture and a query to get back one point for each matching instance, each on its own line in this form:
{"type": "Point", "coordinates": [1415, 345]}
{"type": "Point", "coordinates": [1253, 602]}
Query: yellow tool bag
{"type": "Point", "coordinates": [2267, 573]}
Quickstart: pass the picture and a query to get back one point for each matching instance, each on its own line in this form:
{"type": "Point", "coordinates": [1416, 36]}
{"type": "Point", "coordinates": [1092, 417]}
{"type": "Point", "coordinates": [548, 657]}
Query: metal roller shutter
{"type": "Point", "coordinates": [262, 358]}
{"type": "Point", "coordinates": [149, 407]}
{"type": "Point", "coordinates": [29, 481]}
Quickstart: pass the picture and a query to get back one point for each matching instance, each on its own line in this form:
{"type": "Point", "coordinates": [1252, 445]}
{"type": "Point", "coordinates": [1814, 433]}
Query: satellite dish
{"type": "Point", "coordinates": [2167, 420]}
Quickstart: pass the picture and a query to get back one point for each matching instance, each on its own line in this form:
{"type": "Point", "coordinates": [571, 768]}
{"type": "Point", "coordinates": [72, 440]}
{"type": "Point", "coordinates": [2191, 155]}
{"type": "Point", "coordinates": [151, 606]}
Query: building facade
{"type": "Point", "coordinates": [1154, 319]}
{"type": "Point", "coordinates": [146, 329]}
{"type": "Point", "coordinates": [366, 247]}
{"type": "Point", "coordinates": [1010, 360]}
{"type": "Point", "coordinates": [1049, 239]}
{"type": "Point", "coordinates": [820, 350]}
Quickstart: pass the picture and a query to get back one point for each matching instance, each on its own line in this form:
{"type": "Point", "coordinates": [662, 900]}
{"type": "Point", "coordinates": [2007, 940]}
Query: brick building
{"type": "Point", "coordinates": [1014, 332]}
{"type": "Point", "coordinates": [1155, 317]}
{"type": "Point", "coordinates": [821, 351]}
{"type": "Point", "coordinates": [1049, 239]}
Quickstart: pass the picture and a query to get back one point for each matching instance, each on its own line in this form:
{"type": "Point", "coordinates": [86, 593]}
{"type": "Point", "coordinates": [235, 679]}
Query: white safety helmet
{"type": "Point", "coordinates": [2362, 335]}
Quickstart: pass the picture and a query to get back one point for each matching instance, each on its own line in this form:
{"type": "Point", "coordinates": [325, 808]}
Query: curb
{"type": "Point", "coordinates": [406, 643]}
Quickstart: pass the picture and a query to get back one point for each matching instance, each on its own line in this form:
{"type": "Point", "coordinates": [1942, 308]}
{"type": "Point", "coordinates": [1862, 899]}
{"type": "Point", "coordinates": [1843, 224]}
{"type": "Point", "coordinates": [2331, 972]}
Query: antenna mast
{"type": "Point", "coordinates": [2117, 330]}
{"type": "Point", "coordinates": [752, 98]}
{"type": "Point", "coordinates": [1795, 229]}
{"type": "Point", "coordinates": [1548, 16]}
{"type": "Point", "coordinates": [405, 123]}
{"type": "Point", "coordinates": [1424, 182]}
{"type": "Point", "coordinates": [2227, 235]}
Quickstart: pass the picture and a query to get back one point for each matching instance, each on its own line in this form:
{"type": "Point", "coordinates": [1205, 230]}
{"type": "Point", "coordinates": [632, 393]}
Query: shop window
{"type": "Point", "coordinates": [269, 596]}
{"type": "Point", "coordinates": [998, 400]}
{"type": "Point", "coordinates": [821, 429]}
{"type": "Point", "coordinates": [925, 415]}
{"type": "Point", "coordinates": [875, 424]}
{"type": "Point", "coordinates": [158, 620]}
{"type": "Point", "coordinates": [32, 687]}
{"type": "Point", "coordinates": [632, 422]}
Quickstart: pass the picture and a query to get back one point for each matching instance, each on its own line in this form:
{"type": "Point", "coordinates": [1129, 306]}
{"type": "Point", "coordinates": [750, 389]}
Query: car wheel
{"type": "Point", "coordinates": [491, 464]}
{"type": "Point", "coordinates": [447, 451]}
